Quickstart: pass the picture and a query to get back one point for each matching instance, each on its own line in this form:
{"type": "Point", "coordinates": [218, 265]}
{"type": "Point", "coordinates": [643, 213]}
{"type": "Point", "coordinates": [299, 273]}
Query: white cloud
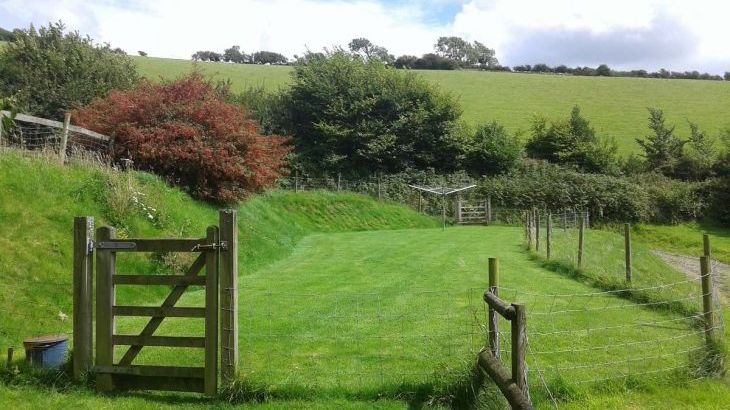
{"type": "Point", "coordinates": [178, 28]}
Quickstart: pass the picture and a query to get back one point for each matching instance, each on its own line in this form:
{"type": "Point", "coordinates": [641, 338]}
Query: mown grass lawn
{"type": "Point", "coordinates": [615, 106]}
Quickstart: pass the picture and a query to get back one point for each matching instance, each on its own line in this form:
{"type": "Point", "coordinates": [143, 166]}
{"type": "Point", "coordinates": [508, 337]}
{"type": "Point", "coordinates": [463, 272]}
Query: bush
{"type": "Point", "coordinates": [493, 151]}
{"type": "Point", "coordinates": [358, 118]}
{"type": "Point", "coordinates": [186, 132]}
{"type": "Point", "coordinates": [50, 71]}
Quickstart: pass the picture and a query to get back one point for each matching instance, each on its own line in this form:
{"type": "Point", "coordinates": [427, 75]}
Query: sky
{"type": "Point", "coordinates": [625, 34]}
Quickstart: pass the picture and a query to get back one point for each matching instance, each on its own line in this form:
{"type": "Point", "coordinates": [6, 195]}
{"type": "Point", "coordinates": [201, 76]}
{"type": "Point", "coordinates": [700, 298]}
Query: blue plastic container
{"type": "Point", "coordinates": [46, 351]}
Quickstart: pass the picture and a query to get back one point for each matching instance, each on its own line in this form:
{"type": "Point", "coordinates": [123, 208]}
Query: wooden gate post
{"type": "Point", "coordinates": [627, 251]}
{"type": "Point", "coordinates": [105, 265]}
{"type": "Point", "coordinates": [229, 294]}
{"type": "Point", "coordinates": [211, 315]}
{"type": "Point", "coordinates": [82, 298]}
{"type": "Point", "coordinates": [493, 337]}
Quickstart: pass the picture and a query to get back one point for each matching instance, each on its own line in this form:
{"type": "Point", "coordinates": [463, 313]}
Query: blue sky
{"type": "Point", "coordinates": [627, 34]}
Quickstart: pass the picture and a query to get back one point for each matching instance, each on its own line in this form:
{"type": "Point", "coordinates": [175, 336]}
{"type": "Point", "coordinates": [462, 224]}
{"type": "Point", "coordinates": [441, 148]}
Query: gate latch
{"type": "Point", "coordinates": [222, 245]}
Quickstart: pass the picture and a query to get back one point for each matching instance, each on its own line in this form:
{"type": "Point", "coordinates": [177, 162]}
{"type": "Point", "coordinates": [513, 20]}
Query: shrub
{"type": "Point", "coordinates": [493, 151]}
{"type": "Point", "coordinates": [357, 117]}
{"type": "Point", "coordinates": [50, 71]}
{"type": "Point", "coordinates": [186, 132]}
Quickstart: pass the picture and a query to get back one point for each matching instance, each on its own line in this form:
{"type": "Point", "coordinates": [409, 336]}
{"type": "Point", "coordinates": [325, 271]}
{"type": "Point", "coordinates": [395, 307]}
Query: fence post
{"type": "Point", "coordinates": [105, 261]}
{"type": "Point", "coordinates": [519, 349]}
{"type": "Point", "coordinates": [2, 141]}
{"type": "Point", "coordinates": [707, 248]}
{"type": "Point", "coordinates": [458, 210]}
{"type": "Point", "coordinates": [537, 231]}
{"type": "Point", "coordinates": [296, 181]}
{"type": "Point", "coordinates": [380, 193]}
{"type": "Point", "coordinates": [529, 229]}
{"type": "Point", "coordinates": [64, 137]}
{"type": "Point", "coordinates": [489, 209]}
{"type": "Point", "coordinates": [707, 300]}
{"type": "Point", "coordinates": [549, 235]}
{"type": "Point", "coordinates": [82, 298]}
{"type": "Point", "coordinates": [339, 181]}
{"type": "Point", "coordinates": [493, 339]}
{"type": "Point", "coordinates": [627, 251]}
{"type": "Point", "coordinates": [210, 380]}
{"type": "Point", "coordinates": [581, 237]}
{"type": "Point", "coordinates": [228, 277]}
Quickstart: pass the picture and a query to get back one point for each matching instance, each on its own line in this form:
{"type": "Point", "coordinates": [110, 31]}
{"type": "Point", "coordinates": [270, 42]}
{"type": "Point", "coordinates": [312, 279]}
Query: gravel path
{"type": "Point", "coordinates": [691, 266]}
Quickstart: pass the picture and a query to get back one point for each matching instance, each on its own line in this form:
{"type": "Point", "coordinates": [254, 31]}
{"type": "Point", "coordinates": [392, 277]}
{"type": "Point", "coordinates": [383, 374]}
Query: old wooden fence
{"type": "Point", "coordinates": [217, 254]}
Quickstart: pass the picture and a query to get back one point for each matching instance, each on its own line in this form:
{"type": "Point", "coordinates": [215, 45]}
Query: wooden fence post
{"type": "Point", "coordinates": [64, 137]}
{"type": "Point", "coordinates": [2, 140]}
{"type": "Point", "coordinates": [581, 238]}
{"type": "Point", "coordinates": [549, 235]}
{"type": "Point", "coordinates": [105, 262]}
{"type": "Point", "coordinates": [211, 315]}
{"type": "Point", "coordinates": [339, 181]}
{"type": "Point", "coordinates": [380, 192]}
{"type": "Point", "coordinates": [519, 348]}
{"type": "Point", "coordinates": [529, 229]}
{"type": "Point", "coordinates": [493, 338]}
{"type": "Point", "coordinates": [458, 210]}
{"type": "Point", "coordinates": [537, 231]}
{"type": "Point", "coordinates": [627, 251]}
{"type": "Point", "coordinates": [82, 298]}
{"type": "Point", "coordinates": [707, 248]}
{"type": "Point", "coordinates": [707, 300]}
{"type": "Point", "coordinates": [228, 277]}
{"type": "Point", "coordinates": [489, 209]}
{"type": "Point", "coordinates": [296, 181]}
{"type": "Point", "coordinates": [9, 359]}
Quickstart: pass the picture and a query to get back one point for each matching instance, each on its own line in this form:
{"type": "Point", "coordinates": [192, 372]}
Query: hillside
{"type": "Point", "coordinates": [615, 106]}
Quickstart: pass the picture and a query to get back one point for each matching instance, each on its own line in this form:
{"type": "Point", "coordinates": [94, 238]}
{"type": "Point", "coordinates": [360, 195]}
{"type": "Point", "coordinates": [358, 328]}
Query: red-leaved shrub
{"type": "Point", "coordinates": [185, 131]}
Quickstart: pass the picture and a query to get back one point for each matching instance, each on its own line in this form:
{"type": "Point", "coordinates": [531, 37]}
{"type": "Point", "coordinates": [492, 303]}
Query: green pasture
{"type": "Point", "coordinates": [615, 106]}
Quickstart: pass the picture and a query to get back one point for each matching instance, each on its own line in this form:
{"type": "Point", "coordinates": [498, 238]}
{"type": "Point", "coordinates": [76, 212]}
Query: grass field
{"type": "Point", "coordinates": [345, 302]}
{"type": "Point", "coordinates": [615, 106]}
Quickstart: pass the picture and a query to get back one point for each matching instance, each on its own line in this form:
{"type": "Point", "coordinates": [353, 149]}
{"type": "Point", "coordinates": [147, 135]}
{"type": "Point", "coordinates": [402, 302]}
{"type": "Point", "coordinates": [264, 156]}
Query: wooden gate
{"type": "Point", "coordinates": [126, 376]}
{"type": "Point", "coordinates": [474, 212]}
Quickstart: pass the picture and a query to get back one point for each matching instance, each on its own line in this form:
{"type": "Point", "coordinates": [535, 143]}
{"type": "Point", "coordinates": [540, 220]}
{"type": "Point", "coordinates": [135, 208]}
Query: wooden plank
{"type": "Point", "coordinates": [165, 341]}
{"type": "Point", "coordinates": [105, 264]}
{"type": "Point", "coordinates": [170, 301]}
{"type": "Point", "coordinates": [160, 371]}
{"type": "Point", "coordinates": [182, 384]}
{"type": "Point", "coordinates": [155, 245]}
{"type": "Point", "coordinates": [82, 297]}
{"type": "Point", "coordinates": [228, 298]}
{"type": "Point", "coordinates": [156, 311]}
{"type": "Point", "coordinates": [59, 125]}
{"type": "Point", "coordinates": [158, 280]}
{"type": "Point", "coordinates": [507, 311]}
{"type": "Point", "coordinates": [492, 367]}
{"type": "Point", "coordinates": [211, 316]}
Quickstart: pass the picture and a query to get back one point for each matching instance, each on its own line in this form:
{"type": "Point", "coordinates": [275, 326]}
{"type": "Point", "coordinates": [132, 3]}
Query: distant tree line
{"type": "Point", "coordinates": [235, 55]}
{"type": "Point", "coordinates": [6, 35]}
{"type": "Point", "coordinates": [605, 71]}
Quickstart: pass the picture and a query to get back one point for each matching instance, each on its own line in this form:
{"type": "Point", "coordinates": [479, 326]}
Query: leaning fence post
{"type": "Point", "coordinates": [549, 235]}
{"type": "Point", "coordinates": [627, 251]}
{"type": "Point", "coordinates": [581, 238]}
{"type": "Point", "coordinates": [493, 316]}
{"type": "Point", "coordinates": [228, 278]}
{"type": "Point", "coordinates": [64, 137]}
{"type": "Point", "coordinates": [707, 300]}
{"type": "Point", "coordinates": [519, 348]}
{"type": "Point", "coordinates": [82, 298]}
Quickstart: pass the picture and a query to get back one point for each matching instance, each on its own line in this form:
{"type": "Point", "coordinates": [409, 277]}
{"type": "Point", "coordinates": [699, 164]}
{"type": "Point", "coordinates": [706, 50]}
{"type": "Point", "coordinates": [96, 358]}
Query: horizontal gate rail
{"type": "Point", "coordinates": [158, 280]}
{"type": "Point", "coordinates": [165, 341]}
{"type": "Point", "coordinates": [153, 245]}
{"type": "Point", "coordinates": [159, 371]}
{"type": "Point", "coordinates": [158, 311]}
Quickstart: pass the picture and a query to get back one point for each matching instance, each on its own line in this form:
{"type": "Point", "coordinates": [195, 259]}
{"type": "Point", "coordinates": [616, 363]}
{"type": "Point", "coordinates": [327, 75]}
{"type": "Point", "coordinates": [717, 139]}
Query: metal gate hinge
{"type": "Point", "coordinates": [89, 246]}
{"type": "Point", "coordinates": [222, 245]}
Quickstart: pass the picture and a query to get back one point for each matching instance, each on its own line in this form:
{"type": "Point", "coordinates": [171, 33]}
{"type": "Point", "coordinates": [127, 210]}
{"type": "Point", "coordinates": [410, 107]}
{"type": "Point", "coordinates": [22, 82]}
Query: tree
{"type": "Point", "coordinates": [453, 48]}
{"type": "Point", "coordinates": [700, 156]}
{"type": "Point", "coordinates": [405, 61]}
{"type": "Point", "coordinates": [268, 57]}
{"type": "Point", "coordinates": [662, 149]}
{"type": "Point", "coordinates": [142, 53]}
{"type": "Point", "coordinates": [603, 70]}
{"type": "Point", "coordinates": [49, 71]}
{"type": "Point", "coordinates": [358, 117]}
{"type": "Point", "coordinates": [207, 56]}
{"type": "Point", "coordinates": [727, 76]}
{"type": "Point", "coordinates": [6, 35]}
{"type": "Point", "coordinates": [483, 55]}
{"type": "Point", "coordinates": [366, 49]}
{"type": "Point", "coordinates": [234, 55]}
{"type": "Point", "coordinates": [434, 62]}
{"type": "Point", "coordinates": [493, 151]}
{"type": "Point", "coordinates": [185, 131]}
{"type": "Point", "coordinates": [572, 142]}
